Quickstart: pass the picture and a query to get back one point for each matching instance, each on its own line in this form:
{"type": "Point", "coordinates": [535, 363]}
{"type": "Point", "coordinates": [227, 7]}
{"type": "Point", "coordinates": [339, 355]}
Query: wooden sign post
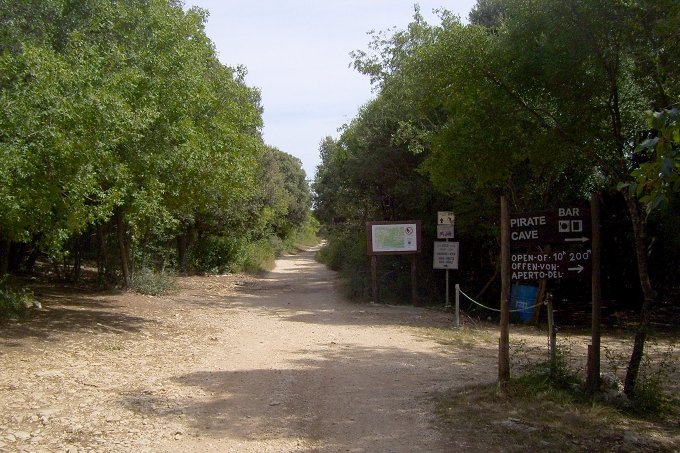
{"type": "Point", "coordinates": [393, 238]}
{"type": "Point", "coordinates": [570, 239]}
{"type": "Point", "coordinates": [593, 373]}
{"type": "Point", "coordinates": [504, 340]}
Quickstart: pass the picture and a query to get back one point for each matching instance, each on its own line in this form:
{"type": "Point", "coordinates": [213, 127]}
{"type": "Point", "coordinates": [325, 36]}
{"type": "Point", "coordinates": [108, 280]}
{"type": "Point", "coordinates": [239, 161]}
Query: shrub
{"type": "Point", "coordinates": [346, 252]}
{"type": "Point", "coordinates": [218, 255]}
{"type": "Point", "coordinates": [652, 395]}
{"type": "Point", "coordinates": [307, 235]}
{"type": "Point", "coordinates": [154, 283]}
{"type": "Point", "coordinates": [13, 304]}
{"type": "Point", "coordinates": [261, 255]}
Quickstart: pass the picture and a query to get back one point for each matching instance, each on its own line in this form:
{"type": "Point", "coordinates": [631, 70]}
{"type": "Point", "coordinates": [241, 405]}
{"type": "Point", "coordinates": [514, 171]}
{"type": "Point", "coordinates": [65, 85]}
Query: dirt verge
{"type": "Point", "coordinates": [237, 363]}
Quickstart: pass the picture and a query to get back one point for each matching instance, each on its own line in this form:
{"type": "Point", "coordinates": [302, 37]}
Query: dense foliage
{"type": "Point", "coordinates": [542, 101]}
{"type": "Point", "coordinates": [124, 140]}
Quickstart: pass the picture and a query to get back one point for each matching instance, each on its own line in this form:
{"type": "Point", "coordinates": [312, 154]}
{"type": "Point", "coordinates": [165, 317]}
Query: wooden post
{"type": "Point", "coordinates": [552, 332]}
{"type": "Point", "coordinates": [593, 375]}
{"type": "Point", "coordinates": [457, 305]}
{"type": "Point", "coordinates": [414, 282]}
{"type": "Point", "coordinates": [504, 341]}
{"type": "Point", "coordinates": [374, 278]}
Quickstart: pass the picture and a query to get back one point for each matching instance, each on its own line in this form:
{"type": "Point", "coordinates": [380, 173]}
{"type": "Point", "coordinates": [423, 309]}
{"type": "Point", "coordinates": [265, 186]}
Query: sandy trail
{"type": "Point", "coordinates": [232, 363]}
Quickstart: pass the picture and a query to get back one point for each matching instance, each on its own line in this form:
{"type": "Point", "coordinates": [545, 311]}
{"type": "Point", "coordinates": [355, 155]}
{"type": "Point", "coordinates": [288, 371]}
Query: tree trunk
{"type": "Point", "coordinates": [493, 278]}
{"type": "Point", "coordinates": [4, 256]}
{"type": "Point", "coordinates": [182, 244]}
{"type": "Point", "coordinates": [124, 254]}
{"type": "Point", "coordinates": [17, 253]}
{"type": "Point", "coordinates": [540, 296]}
{"type": "Point", "coordinates": [76, 260]}
{"type": "Point", "coordinates": [639, 238]}
{"type": "Point", "coordinates": [102, 261]}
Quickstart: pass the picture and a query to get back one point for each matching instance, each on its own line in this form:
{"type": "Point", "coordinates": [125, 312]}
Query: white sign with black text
{"type": "Point", "coordinates": [445, 255]}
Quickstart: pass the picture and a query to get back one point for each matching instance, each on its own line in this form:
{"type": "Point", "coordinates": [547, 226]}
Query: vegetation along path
{"type": "Point", "coordinates": [228, 363]}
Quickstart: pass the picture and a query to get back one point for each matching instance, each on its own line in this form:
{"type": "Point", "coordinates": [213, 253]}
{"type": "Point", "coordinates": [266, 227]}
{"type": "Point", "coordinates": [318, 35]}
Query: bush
{"type": "Point", "coordinates": [13, 304]}
{"type": "Point", "coordinates": [346, 253]}
{"type": "Point", "coordinates": [148, 281]}
{"type": "Point", "coordinates": [652, 394]}
{"type": "Point", "coordinates": [261, 255]}
{"type": "Point", "coordinates": [218, 255]}
{"type": "Point", "coordinates": [307, 235]}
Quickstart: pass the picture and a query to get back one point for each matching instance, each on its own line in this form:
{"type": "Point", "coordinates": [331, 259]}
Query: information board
{"type": "Point", "coordinates": [446, 255]}
{"type": "Point", "coordinates": [393, 238]}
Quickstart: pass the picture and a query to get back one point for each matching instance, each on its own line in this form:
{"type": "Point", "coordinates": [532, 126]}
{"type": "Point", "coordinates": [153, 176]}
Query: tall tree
{"type": "Point", "coordinates": [568, 69]}
{"type": "Point", "coordinates": [123, 114]}
{"type": "Point", "coordinates": [540, 100]}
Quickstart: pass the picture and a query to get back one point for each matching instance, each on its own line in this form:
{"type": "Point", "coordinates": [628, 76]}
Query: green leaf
{"type": "Point", "coordinates": [647, 144]}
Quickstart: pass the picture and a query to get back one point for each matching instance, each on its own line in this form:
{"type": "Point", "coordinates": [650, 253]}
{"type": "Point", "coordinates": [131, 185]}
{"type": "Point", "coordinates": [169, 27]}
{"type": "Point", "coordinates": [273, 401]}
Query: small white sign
{"type": "Point", "coordinates": [445, 255]}
{"type": "Point", "coordinates": [445, 231]}
{"type": "Point", "coordinates": [445, 218]}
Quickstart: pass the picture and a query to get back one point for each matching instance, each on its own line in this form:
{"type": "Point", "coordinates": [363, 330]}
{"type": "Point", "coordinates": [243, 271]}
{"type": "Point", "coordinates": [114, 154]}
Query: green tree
{"type": "Point", "coordinates": [657, 179]}
{"type": "Point", "coordinates": [118, 116]}
{"type": "Point", "coordinates": [570, 69]}
{"type": "Point", "coordinates": [286, 193]}
{"type": "Point", "coordinates": [539, 100]}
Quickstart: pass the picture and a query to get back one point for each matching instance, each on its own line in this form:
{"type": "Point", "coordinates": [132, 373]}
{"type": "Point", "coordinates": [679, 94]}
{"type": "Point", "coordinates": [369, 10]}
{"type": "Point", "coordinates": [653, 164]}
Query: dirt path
{"type": "Point", "coordinates": [229, 363]}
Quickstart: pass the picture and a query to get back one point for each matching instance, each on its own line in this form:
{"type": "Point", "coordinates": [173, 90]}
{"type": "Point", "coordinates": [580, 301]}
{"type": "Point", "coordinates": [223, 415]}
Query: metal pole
{"type": "Point", "coordinates": [414, 284]}
{"type": "Point", "coordinates": [374, 278]}
{"type": "Point", "coordinates": [448, 302]}
{"type": "Point", "coordinates": [457, 305]}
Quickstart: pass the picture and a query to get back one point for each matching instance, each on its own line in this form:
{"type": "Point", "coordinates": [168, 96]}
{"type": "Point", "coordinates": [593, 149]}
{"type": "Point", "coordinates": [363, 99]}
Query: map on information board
{"type": "Point", "coordinates": [394, 238]}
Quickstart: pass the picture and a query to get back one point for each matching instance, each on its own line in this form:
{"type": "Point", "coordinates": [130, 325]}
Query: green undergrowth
{"type": "Point", "coordinates": [14, 302]}
{"type": "Point", "coordinates": [538, 412]}
{"type": "Point", "coordinates": [546, 408]}
{"type": "Point", "coordinates": [152, 282]}
{"type": "Point", "coordinates": [217, 255]}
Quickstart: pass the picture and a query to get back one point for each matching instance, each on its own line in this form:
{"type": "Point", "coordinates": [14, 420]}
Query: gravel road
{"type": "Point", "coordinates": [228, 363]}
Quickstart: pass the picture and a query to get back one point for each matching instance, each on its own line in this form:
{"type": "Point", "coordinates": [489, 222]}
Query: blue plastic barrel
{"type": "Point", "coordinates": [523, 298]}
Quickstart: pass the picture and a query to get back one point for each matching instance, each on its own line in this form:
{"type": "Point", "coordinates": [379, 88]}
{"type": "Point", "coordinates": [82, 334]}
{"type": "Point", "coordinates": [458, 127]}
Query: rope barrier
{"type": "Point", "coordinates": [495, 309]}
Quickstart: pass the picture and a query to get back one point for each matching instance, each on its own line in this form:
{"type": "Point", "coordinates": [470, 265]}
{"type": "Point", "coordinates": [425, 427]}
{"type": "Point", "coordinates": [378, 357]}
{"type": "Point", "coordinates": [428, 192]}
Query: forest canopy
{"type": "Point", "coordinates": [541, 101]}
{"type": "Point", "coordinates": [124, 140]}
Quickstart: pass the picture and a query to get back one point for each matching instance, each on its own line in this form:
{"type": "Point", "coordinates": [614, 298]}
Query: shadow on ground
{"type": "Point", "coordinates": [67, 310]}
{"type": "Point", "coordinates": [295, 402]}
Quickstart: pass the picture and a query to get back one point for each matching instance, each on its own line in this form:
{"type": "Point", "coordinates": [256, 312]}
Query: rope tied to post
{"type": "Point", "coordinates": [495, 309]}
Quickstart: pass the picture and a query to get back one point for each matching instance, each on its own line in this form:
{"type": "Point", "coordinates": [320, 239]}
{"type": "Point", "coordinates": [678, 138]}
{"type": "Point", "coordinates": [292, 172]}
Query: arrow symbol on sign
{"type": "Point", "coordinates": [581, 239]}
{"type": "Point", "coordinates": [578, 269]}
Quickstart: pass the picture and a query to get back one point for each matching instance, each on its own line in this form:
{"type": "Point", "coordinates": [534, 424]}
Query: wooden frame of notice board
{"type": "Point", "coordinates": [402, 237]}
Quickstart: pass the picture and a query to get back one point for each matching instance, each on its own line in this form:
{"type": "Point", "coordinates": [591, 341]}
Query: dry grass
{"type": "Point", "coordinates": [534, 414]}
{"type": "Point", "coordinates": [463, 337]}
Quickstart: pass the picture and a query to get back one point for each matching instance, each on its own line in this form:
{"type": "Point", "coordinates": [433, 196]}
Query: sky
{"type": "Point", "coordinates": [297, 53]}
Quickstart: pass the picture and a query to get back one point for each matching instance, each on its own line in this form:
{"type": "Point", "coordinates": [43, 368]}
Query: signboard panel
{"type": "Point", "coordinates": [445, 231]}
{"type": "Point", "coordinates": [393, 238]}
{"type": "Point", "coordinates": [551, 266]}
{"type": "Point", "coordinates": [565, 225]}
{"type": "Point", "coordinates": [445, 255]}
{"type": "Point", "coordinates": [445, 218]}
